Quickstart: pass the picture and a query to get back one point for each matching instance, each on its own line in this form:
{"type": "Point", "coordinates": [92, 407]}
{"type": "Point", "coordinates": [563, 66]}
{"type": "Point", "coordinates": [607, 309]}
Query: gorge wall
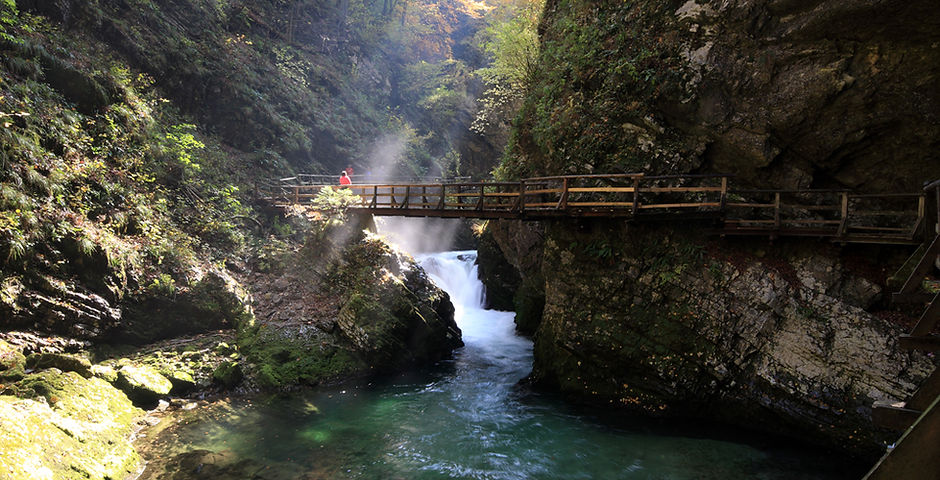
{"type": "Point", "coordinates": [785, 337]}
{"type": "Point", "coordinates": [780, 93]}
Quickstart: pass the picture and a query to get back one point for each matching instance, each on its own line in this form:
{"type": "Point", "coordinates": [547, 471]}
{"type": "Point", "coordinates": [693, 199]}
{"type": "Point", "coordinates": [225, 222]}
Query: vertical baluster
{"type": "Point", "coordinates": [844, 213]}
{"type": "Point", "coordinates": [777, 211]}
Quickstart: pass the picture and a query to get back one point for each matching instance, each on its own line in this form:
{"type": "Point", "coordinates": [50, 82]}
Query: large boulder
{"type": "Point", "coordinates": [143, 384]}
{"type": "Point", "coordinates": [59, 425]}
{"type": "Point", "coordinates": [353, 307]}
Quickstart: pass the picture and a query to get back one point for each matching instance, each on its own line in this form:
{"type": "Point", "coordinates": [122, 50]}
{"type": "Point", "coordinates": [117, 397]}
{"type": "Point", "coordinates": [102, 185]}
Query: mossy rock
{"type": "Point", "coordinates": [280, 359]}
{"type": "Point", "coordinates": [62, 361]}
{"type": "Point", "coordinates": [12, 362]}
{"type": "Point", "coordinates": [182, 381]}
{"type": "Point", "coordinates": [228, 374]}
{"type": "Point", "coordinates": [105, 372]}
{"type": "Point", "coordinates": [80, 430]}
{"type": "Point", "coordinates": [143, 384]}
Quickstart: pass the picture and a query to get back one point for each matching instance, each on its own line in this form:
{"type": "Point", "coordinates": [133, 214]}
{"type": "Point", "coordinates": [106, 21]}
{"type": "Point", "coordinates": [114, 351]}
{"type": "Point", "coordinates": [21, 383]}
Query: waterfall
{"type": "Point", "coordinates": [456, 274]}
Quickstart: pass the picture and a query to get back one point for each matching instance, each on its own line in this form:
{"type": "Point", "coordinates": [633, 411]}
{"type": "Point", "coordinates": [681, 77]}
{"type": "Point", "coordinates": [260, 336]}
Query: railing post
{"type": "Point", "coordinates": [724, 194]}
{"type": "Point", "coordinates": [636, 195]}
{"type": "Point", "coordinates": [563, 201]}
{"type": "Point", "coordinates": [844, 213]}
{"type": "Point", "coordinates": [404, 203]}
{"type": "Point", "coordinates": [296, 194]}
{"type": "Point", "coordinates": [521, 196]}
{"type": "Point", "coordinates": [424, 196]}
{"type": "Point", "coordinates": [777, 211]}
{"type": "Point", "coordinates": [482, 197]}
{"type": "Point", "coordinates": [440, 203]}
{"type": "Point", "coordinates": [921, 216]}
{"type": "Point", "coordinates": [937, 225]}
{"type": "Point", "coordinates": [375, 196]}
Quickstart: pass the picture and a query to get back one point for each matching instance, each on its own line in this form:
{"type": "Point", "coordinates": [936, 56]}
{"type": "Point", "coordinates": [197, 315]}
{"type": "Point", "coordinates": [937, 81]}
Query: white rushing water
{"type": "Point", "coordinates": [489, 335]}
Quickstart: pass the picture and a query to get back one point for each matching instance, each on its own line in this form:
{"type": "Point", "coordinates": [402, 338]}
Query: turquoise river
{"type": "Point", "coordinates": [466, 418]}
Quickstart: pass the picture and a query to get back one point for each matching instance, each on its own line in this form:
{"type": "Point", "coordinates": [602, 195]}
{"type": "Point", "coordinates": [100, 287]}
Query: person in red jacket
{"type": "Point", "coordinates": [344, 179]}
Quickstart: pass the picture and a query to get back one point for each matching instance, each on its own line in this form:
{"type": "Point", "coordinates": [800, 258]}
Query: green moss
{"type": "Point", "coordinates": [105, 372]}
{"type": "Point", "coordinates": [228, 374]}
{"type": "Point", "coordinates": [62, 361]}
{"type": "Point", "coordinates": [143, 384]}
{"type": "Point", "coordinates": [12, 362]}
{"type": "Point", "coordinates": [79, 430]}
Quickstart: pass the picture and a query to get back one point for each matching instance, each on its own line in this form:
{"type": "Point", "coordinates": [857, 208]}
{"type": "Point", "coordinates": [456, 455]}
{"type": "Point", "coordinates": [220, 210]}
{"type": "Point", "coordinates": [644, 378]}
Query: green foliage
{"type": "Point", "coordinates": [9, 16]}
{"type": "Point", "coordinates": [181, 145]}
{"type": "Point", "coordinates": [332, 203]}
{"type": "Point", "coordinates": [511, 41]}
{"type": "Point", "coordinates": [162, 284]}
{"type": "Point", "coordinates": [600, 69]}
{"type": "Point", "coordinates": [512, 44]}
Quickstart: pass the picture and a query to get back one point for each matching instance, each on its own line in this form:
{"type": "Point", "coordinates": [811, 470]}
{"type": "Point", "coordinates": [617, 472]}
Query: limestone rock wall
{"type": "Point", "coordinates": [780, 93]}
{"type": "Point", "coordinates": [767, 337]}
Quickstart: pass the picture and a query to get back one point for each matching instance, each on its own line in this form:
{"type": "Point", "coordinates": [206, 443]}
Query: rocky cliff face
{"type": "Point", "coordinates": [768, 337]}
{"type": "Point", "coordinates": [781, 93]}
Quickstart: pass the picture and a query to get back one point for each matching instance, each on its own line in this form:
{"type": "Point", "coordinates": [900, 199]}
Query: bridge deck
{"type": "Point", "coordinates": [840, 214]}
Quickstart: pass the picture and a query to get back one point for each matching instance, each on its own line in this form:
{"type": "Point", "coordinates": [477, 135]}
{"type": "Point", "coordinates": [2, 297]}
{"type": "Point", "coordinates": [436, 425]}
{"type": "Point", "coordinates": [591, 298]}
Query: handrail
{"type": "Point", "coordinates": [836, 213]}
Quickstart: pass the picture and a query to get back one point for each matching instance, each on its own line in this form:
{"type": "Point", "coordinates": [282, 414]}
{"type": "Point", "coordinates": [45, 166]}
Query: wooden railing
{"type": "Point", "coordinates": [891, 218]}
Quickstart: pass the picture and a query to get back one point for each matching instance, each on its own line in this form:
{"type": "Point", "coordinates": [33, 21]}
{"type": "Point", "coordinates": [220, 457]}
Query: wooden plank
{"type": "Point", "coordinates": [893, 415]}
{"type": "Point", "coordinates": [922, 267]}
{"type": "Point", "coordinates": [749, 205]}
{"type": "Point", "coordinates": [809, 221]}
{"type": "Point", "coordinates": [745, 220]}
{"type": "Point", "coordinates": [680, 189]}
{"type": "Point", "coordinates": [541, 205]}
{"type": "Point", "coordinates": [878, 229]}
{"type": "Point", "coordinates": [600, 204]}
{"type": "Point", "coordinates": [602, 189]}
{"type": "Point", "coordinates": [884, 213]}
{"type": "Point", "coordinates": [928, 319]}
{"type": "Point", "coordinates": [544, 190]}
{"type": "Point", "coordinates": [796, 206]}
{"type": "Point", "coordinates": [679, 205]}
{"type": "Point", "coordinates": [926, 343]}
{"type": "Point", "coordinates": [590, 176]}
{"type": "Point", "coordinates": [914, 456]}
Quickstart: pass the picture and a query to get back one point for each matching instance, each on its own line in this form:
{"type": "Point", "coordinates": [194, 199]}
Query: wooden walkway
{"type": "Point", "coordinates": [915, 454]}
{"type": "Point", "coordinates": [841, 215]}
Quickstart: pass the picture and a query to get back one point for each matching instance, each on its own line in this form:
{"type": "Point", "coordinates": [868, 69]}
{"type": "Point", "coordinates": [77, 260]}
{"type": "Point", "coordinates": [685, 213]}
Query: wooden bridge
{"type": "Point", "coordinates": [841, 215]}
